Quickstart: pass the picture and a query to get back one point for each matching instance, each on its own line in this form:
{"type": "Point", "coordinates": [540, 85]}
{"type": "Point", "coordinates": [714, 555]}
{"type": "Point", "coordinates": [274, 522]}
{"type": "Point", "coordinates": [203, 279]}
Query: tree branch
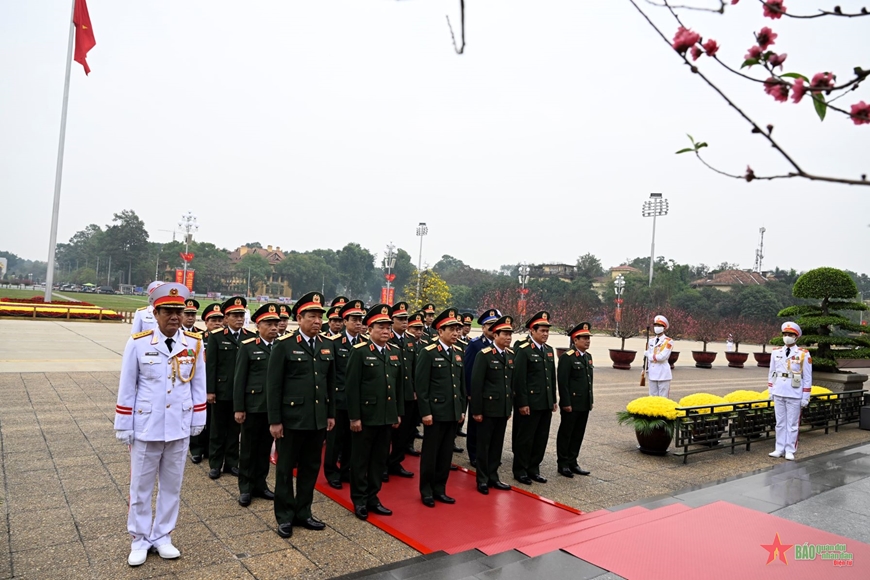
{"type": "Point", "coordinates": [822, 13]}
{"type": "Point", "coordinates": [720, 10]}
{"type": "Point", "coordinates": [458, 49]}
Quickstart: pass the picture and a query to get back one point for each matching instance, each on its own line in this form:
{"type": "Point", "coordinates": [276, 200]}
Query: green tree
{"type": "Point", "coordinates": [307, 272]}
{"type": "Point", "coordinates": [589, 267]}
{"type": "Point", "coordinates": [126, 241]}
{"type": "Point", "coordinates": [255, 268]}
{"type": "Point", "coordinates": [432, 289]}
{"type": "Point", "coordinates": [759, 304]}
{"type": "Point", "coordinates": [355, 267]}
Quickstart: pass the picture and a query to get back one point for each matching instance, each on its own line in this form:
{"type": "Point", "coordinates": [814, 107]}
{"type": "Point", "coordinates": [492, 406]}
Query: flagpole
{"type": "Point", "coordinates": [58, 175]}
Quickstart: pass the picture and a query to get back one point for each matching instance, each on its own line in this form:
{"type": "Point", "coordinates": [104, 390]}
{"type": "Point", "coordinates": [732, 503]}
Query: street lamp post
{"type": "Point", "coordinates": [654, 207]}
{"type": "Point", "coordinates": [389, 264]}
{"type": "Point", "coordinates": [422, 230]}
{"type": "Point", "coordinates": [618, 288]}
{"type": "Point", "coordinates": [187, 225]}
{"type": "Point", "coordinates": [523, 277]}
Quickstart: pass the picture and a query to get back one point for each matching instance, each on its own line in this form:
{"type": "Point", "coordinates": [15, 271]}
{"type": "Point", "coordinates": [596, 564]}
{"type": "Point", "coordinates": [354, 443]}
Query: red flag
{"type": "Point", "coordinates": [85, 40]}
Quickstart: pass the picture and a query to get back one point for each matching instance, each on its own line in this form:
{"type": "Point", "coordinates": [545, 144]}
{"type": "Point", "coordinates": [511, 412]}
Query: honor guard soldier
{"type": "Point", "coordinates": [333, 316]}
{"type": "Point", "coordinates": [492, 402]}
{"type": "Point", "coordinates": [534, 388]}
{"type": "Point", "coordinates": [789, 382]}
{"type": "Point", "coordinates": [188, 316]}
{"type": "Point", "coordinates": [283, 319]}
{"type": "Point", "coordinates": [336, 461]}
{"type": "Point", "coordinates": [299, 401]}
{"type": "Point", "coordinates": [249, 402]}
{"type": "Point", "coordinates": [485, 321]}
{"type": "Point", "coordinates": [406, 349]}
{"type": "Point", "coordinates": [220, 365]}
{"type": "Point", "coordinates": [213, 316]}
{"type": "Point", "coordinates": [575, 399]}
{"type": "Point", "coordinates": [428, 318]}
{"type": "Point", "coordinates": [144, 317]}
{"type": "Point", "coordinates": [658, 351]}
{"type": "Point", "coordinates": [440, 385]}
{"type": "Point", "coordinates": [161, 403]}
{"type": "Point", "coordinates": [375, 403]}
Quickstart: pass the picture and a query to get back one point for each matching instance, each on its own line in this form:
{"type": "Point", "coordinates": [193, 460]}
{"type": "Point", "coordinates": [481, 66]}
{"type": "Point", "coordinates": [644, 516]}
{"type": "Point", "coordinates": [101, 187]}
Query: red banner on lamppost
{"type": "Point", "coordinates": [180, 278]}
{"type": "Point", "coordinates": [387, 295]}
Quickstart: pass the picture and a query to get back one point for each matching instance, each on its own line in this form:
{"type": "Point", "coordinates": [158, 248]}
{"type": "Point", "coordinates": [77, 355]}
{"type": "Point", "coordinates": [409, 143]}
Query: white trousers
{"type": "Point", "coordinates": [788, 419]}
{"type": "Point", "coordinates": [150, 460]}
{"type": "Point", "coordinates": [659, 388]}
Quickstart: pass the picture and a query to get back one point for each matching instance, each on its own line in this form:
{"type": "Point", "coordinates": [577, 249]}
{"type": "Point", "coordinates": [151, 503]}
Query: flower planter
{"type": "Point", "coordinates": [672, 360]}
{"type": "Point", "coordinates": [736, 359]}
{"type": "Point", "coordinates": [655, 443]}
{"type": "Point", "coordinates": [762, 358]}
{"type": "Point", "coordinates": [704, 359]}
{"type": "Point", "coordinates": [560, 352]}
{"type": "Point", "coordinates": [622, 359]}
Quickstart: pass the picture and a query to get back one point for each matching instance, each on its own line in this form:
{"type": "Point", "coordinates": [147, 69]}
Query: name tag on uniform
{"type": "Point", "coordinates": [371, 358]}
{"type": "Point", "coordinates": [151, 354]}
{"type": "Point", "coordinates": [258, 352]}
{"type": "Point", "coordinates": [298, 352]}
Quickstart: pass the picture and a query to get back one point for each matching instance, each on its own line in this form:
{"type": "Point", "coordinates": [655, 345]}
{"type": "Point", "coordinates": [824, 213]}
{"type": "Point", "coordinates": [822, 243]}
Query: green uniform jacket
{"type": "Point", "coordinates": [220, 365]}
{"type": "Point", "coordinates": [461, 344]}
{"type": "Point", "coordinates": [534, 380]}
{"type": "Point", "coordinates": [575, 380]}
{"type": "Point", "coordinates": [341, 345]}
{"type": "Point", "coordinates": [300, 383]}
{"type": "Point", "coordinates": [374, 385]}
{"type": "Point", "coordinates": [249, 386]}
{"type": "Point", "coordinates": [422, 342]}
{"type": "Point", "coordinates": [490, 387]}
{"type": "Point", "coordinates": [408, 355]}
{"type": "Point", "coordinates": [440, 383]}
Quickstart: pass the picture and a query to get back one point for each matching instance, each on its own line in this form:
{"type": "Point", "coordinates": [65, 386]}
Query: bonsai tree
{"type": "Point", "coordinates": [704, 329]}
{"type": "Point", "coordinates": [632, 320]}
{"type": "Point", "coordinates": [760, 333]}
{"type": "Point", "coordinates": [824, 329]}
{"type": "Point", "coordinates": [740, 331]}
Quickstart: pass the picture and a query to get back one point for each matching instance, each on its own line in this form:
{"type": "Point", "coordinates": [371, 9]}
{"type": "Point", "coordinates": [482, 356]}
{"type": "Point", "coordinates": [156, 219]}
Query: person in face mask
{"type": "Point", "coordinates": [789, 382]}
{"type": "Point", "coordinates": [658, 351]}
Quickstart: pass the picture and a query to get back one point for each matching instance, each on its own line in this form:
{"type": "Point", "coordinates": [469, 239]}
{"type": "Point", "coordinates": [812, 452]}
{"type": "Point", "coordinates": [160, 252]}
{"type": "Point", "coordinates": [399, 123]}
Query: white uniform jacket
{"type": "Point", "coordinates": [790, 377]}
{"type": "Point", "coordinates": [658, 352]}
{"type": "Point", "coordinates": [144, 320]}
{"type": "Point", "coordinates": [161, 395]}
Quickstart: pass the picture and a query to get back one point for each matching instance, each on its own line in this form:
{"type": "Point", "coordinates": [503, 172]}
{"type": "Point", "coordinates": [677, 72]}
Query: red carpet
{"type": "Point", "coordinates": [716, 541]}
{"type": "Point", "coordinates": [475, 519]}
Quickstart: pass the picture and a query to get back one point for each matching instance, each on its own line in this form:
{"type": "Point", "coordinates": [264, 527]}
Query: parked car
{"type": "Point", "coordinates": [106, 290]}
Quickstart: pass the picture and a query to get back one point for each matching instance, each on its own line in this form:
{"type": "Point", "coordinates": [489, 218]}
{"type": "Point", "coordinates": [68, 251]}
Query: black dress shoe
{"type": "Point", "coordinates": [196, 458]}
{"type": "Point", "coordinates": [566, 472]}
{"type": "Point", "coordinates": [334, 484]}
{"type": "Point", "coordinates": [265, 494]}
{"type": "Point", "coordinates": [539, 478]}
{"type": "Point", "coordinates": [473, 462]}
{"type": "Point", "coordinates": [311, 523]}
{"type": "Point", "coordinates": [483, 488]}
{"type": "Point", "coordinates": [361, 512]}
{"type": "Point", "coordinates": [462, 434]}
{"type": "Point", "coordinates": [500, 485]}
{"type": "Point", "coordinates": [401, 472]}
{"type": "Point", "coordinates": [232, 470]}
{"type": "Point", "coordinates": [429, 501]}
{"type": "Point", "coordinates": [457, 449]}
{"type": "Point", "coordinates": [214, 473]}
{"type": "Point", "coordinates": [285, 530]}
{"type": "Point", "coordinates": [413, 452]}
{"type": "Point", "coordinates": [385, 477]}
{"type": "Point", "coordinates": [579, 471]}
{"type": "Point", "coordinates": [524, 479]}
{"type": "Point", "coordinates": [244, 499]}
{"type": "Point", "coordinates": [444, 498]}
{"type": "Point", "coordinates": [380, 510]}
{"type": "Point", "coordinates": [453, 467]}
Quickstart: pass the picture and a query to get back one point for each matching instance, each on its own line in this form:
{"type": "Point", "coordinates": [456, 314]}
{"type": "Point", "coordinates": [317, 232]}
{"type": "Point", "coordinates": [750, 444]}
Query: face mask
{"type": "Point", "coordinates": [659, 329]}
{"type": "Point", "coordinates": [789, 340]}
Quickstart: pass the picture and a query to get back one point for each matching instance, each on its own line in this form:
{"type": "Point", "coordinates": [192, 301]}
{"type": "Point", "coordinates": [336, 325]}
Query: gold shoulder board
{"type": "Point", "coordinates": [247, 340]}
{"type": "Point", "coordinates": [143, 308]}
{"type": "Point", "coordinates": [360, 344]}
{"type": "Point", "coordinates": [509, 350]}
{"type": "Point", "coordinates": [487, 349]}
{"type": "Point", "coordinates": [431, 347]}
{"type": "Point", "coordinates": [523, 345]}
{"type": "Point", "coordinates": [192, 334]}
{"type": "Point", "coordinates": [143, 333]}
{"type": "Point", "coordinates": [570, 352]}
{"type": "Point", "coordinates": [285, 337]}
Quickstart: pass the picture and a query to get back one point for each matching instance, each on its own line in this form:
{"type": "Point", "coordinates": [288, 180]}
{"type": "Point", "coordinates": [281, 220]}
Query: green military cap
{"type": "Point", "coordinates": [503, 323]}
{"type": "Point", "coordinates": [235, 304]}
{"type": "Point", "coordinates": [445, 319]}
{"type": "Point", "coordinates": [310, 301]}
{"type": "Point", "coordinates": [212, 310]}
{"type": "Point", "coordinates": [416, 319]}
{"type": "Point", "coordinates": [429, 308]}
{"type": "Point", "coordinates": [266, 312]}
{"type": "Point", "coordinates": [283, 311]}
{"type": "Point", "coordinates": [335, 313]}
{"type": "Point", "coordinates": [400, 309]}
{"type": "Point", "coordinates": [339, 301]}
{"type": "Point", "coordinates": [353, 308]}
{"type": "Point", "coordinates": [582, 329]}
{"type": "Point", "coordinates": [377, 313]}
{"type": "Point", "coordinates": [541, 318]}
{"type": "Point", "coordinates": [467, 319]}
{"type": "Point", "coordinates": [191, 305]}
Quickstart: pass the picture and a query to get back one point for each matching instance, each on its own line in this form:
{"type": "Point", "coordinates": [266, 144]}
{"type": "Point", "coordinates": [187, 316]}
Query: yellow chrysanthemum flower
{"type": "Point", "coordinates": [819, 392]}
{"type": "Point", "coordinates": [704, 399]}
{"type": "Point", "coordinates": [658, 407]}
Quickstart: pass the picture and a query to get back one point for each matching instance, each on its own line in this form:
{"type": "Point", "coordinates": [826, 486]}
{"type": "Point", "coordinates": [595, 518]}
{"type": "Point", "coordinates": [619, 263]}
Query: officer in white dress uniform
{"type": "Point", "coordinates": [161, 403]}
{"type": "Point", "coordinates": [789, 382]}
{"type": "Point", "coordinates": [144, 318]}
{"type": "Point", "coordinates": [658, 351]}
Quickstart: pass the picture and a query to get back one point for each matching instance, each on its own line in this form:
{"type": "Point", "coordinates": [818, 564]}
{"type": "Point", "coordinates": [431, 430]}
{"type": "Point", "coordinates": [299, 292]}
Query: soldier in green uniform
{"type": "Point", "coordinates": [467, 320]}
{"type": "Point", "coordinates": [336, 460]}
{"type": "Point", "coordinates": [421, 340]}
{"type": "Point", "coordinates": [283, 319]}
{"type": "Point", "coordinates": [188, 316]}
{"type": "Point", "coordinates": [492, 403]}
{"type": "Point", "coordinates": [575, 399]}
{"type": "Point", "coordinates": [220, 370]}
{"type": "Point", "coordinates": [440, 384]}
{"type": "Point", "coordinates": [462, 344]}
{"type": "Point", "coordinates": [335, 323]}
{"type": "Point", "coordinates": [404, 344]}
{"type": "Point", "coordinates": [375, 403]}
{"type": "Point", "coordinates": [534, 389]}
{"type": "Point", "coordinates": [299, 402]}
{"type": "Point", "coordinates": [428, 318]}
{"type": "Point", "coordinates": [249, 401]}
{"type": "Point", "coordinates": [213, 317]}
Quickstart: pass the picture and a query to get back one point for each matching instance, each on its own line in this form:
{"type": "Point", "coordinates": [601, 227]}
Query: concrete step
{"type": "Point", "coordinates": [622, 525]}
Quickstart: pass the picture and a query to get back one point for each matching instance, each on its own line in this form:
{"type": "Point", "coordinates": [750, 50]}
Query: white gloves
{"type": "Point", "coordinates": [196, 430]}
{"type": "Point", "coordinates": [125, 437]}
{"type": "Point", "coordinates": [804, 403]}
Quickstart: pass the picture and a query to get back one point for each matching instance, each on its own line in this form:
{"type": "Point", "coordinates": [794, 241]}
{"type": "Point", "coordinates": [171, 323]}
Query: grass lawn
{"type": "Point", "coordinates": [112, 301]}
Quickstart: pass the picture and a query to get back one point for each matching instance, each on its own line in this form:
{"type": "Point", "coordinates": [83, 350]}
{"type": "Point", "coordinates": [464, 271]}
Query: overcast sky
{"type": "Point", "coordinates": [314, 124]}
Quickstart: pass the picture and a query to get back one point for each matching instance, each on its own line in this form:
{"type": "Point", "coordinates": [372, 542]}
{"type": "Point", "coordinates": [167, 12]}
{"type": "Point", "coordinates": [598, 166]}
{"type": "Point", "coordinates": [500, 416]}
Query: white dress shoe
{"type": "Point", "coordinates": [776, 454]}
{"type": "Point", "coordinates": [168, 551]}
{"type": "Point", "coordinates": [137, 557]}
{"type": "Point", "coordinates": [789, 456]}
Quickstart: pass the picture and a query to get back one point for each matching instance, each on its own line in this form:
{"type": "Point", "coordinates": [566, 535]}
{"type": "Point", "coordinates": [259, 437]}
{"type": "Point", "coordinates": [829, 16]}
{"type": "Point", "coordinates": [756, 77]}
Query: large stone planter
{"type": "Point", "coordinates": [703, 358]}
{"type": "Point", "coordinates": [656, 443]}
{"type": "Point", "coordinates": [672, 360]}
{"type": "Point", "coordinates": [839, 382]}
{"type": "Point", "coordinates": [736, 359]}
{"type": "Point", "coordinates": [762, 358]}
{"type": "Point", "coordinates": [622, 359]}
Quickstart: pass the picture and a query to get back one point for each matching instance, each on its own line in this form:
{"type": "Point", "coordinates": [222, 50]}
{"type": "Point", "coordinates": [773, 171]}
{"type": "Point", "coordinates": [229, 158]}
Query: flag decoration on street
{"type": "Point", "coordinates": [85, 40]}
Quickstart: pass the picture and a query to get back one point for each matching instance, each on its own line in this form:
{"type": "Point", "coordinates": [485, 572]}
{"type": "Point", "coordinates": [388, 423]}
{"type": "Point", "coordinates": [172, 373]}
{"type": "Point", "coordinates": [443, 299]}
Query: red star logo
{"type": "Point", "coordinates": [777, 550]}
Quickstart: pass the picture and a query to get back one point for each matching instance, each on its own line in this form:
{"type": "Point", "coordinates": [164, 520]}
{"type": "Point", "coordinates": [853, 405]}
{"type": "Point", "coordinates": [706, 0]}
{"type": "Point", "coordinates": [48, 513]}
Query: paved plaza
{"type": "Point", "coordinates": [65, 478]}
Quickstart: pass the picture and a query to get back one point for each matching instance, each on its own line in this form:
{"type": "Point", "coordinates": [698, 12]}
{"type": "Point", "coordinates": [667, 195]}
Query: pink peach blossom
{"type": "Point", "coordinates": [711, 47]}
{"type": "Point", "coordinates": [774, 9]}
{"type": "Point", "coordinates": [684, 39]}
{"type": "Point", "coordinates": [754, 52]}
{"type": "Point", "coordinates": [822, 81]}
{"type": "Point", "coordinates": [776, 89]}
{"type": "Point", "coordinates": [777, 59]}
{"type": "Point", "coordinates": [798, 90]}
{"type": "Point", "coordinates": [765, 37]}
{"type": "Point", "coordinates": [861, 113]}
